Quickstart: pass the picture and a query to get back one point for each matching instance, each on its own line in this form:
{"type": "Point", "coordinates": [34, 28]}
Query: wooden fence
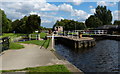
{"type": "Point", "coordinates": [4, 43]}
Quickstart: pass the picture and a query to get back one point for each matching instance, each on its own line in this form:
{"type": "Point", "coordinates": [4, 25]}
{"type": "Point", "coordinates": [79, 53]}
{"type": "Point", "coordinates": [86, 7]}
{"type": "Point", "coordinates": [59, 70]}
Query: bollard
{"type": "Point", "coordinates": [80, 45]}
{"type": "Point", "coordinates": [75, 45]}
{"type": "Point", "coordinates": [85, 44]}
{"type": "Point", "coordinates": [89, 44]}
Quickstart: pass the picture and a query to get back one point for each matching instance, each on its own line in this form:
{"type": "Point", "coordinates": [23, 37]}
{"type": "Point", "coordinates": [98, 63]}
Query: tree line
{"type": "Point", "coordinates": [102, 16]}
{"type": "Point", "coordinates": [70, 24]}
{"type": "Point", "coordinates": [27, 24]}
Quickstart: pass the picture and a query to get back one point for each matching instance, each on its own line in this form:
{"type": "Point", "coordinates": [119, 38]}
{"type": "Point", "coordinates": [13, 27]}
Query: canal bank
{"type": "Point", "coordinates": [101, 37]}
{"type": "Point", "coordinates": [76, 43]}
{"type": "Point", "coordinates": [69, 65]}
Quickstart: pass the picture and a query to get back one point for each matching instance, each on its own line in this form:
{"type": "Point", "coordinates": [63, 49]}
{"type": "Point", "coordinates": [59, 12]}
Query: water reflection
{"type": "Point", "coordinates": [101, 58]}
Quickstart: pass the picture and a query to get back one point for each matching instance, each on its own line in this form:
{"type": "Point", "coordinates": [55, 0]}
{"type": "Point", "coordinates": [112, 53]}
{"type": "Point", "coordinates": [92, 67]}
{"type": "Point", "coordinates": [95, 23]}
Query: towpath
{"type": "Point", "coordinates": [31, 56]}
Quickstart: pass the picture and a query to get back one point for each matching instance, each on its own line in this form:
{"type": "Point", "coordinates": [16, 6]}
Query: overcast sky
{"type": "Point", "coordinates": [52, 11]}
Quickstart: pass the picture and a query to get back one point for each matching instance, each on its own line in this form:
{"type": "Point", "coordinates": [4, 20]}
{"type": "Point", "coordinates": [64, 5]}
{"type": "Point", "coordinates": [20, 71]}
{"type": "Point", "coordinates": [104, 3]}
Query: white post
{"type": "Point", "coordinates": [53, 41]}
{"type": "Point", "coordinates": [29, 36]}
{"type": "Point", "coordinates": [38, 36]}
{"type": "Point", "coordinates": [68, 33]}
{"type": "Point", "coordinates": [77, 35]}
{"type": "Point", "coordinates": [72, 34]}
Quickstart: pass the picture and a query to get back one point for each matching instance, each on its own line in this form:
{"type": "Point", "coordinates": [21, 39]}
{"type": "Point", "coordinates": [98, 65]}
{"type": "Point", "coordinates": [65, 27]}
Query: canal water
{"type": "Point", "coordinates": [101, 58]}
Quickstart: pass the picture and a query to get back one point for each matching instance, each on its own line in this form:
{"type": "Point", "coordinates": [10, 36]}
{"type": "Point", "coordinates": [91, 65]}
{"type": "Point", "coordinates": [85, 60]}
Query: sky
{"type": "Point", "coordinates": [51, 11]}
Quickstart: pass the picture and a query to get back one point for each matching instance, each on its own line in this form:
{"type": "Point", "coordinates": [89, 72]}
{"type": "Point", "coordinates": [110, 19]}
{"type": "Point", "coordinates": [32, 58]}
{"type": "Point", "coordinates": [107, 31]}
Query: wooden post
{"type": "Point", "coordinates": [80, 35]}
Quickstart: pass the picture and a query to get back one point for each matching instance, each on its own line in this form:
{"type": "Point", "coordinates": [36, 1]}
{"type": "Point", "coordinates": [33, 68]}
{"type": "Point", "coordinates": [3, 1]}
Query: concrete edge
{"type": "Point", "coordinates": [67, 64]}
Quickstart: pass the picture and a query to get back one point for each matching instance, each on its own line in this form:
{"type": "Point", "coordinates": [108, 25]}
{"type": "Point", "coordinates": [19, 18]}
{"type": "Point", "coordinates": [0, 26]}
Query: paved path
{"type": "Point", "coordinates": [30, 56]}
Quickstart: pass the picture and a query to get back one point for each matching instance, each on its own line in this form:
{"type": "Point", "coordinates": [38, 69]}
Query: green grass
{"type": "Point", "coordinates": [88, 34]}
{"type": "Point", "coordinates": [44, 43]}
{"type": "Point", "coordinates": [11, 35]}
{"type": "Point", "coordinates": [72, 33]}
{"type": "Point", "coordinates": [52, 68]}
{"type": "Point", "coordinates": [42, 35]}
{"type": "Point", "coordinates": [16, 46]}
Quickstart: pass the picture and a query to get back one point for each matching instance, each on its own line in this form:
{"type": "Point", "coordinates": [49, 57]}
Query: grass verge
{"type": "Point", "coordinates": [42, 35]}
{"type": "Point", "coordinates": [11, 35]}
{"type": "Point", "coordinates": [52, 68]}
{"type": "Point", "coordinates": [16, 46]}
{"type": "Point", "coordinates": [44, 43]}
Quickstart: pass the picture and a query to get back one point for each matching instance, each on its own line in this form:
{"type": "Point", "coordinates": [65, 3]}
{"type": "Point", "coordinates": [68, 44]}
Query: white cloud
{"type": "Point", "coordinates": [103, 3]}
{"type": "Point", "coordinates": [116, 15]}
{"type": "Point", "coordinates": [45, 21]}
{"type": "Point", "coordinates": [80, 14]}
{"type": "Point", "coordinates": [22, 0]}
{"type": "Point", "coordinates": [33, 13]}
{"type": "Point", "coordinates": [77, 2]}
{"type": "Point", "coordinates": [49, 7]}
{"type": "Point", "coordinates": [65, 7]}
{"type": "Point", "coordinates": [92, 11]}
{"type": "Point", "coordinates": [90, 6]}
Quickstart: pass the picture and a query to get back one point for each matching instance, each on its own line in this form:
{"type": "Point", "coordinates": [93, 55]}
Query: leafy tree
{"type": "Point", "coordinates": [27, 24]}
{"type": "Point", "coordinates": [104, 15]}
{"type": "Point", "coordinates": [93, 22]}
{"type": "Point", "coordinates": [70, 24]}
{"type": "Point", "coordinates": [33, 23]}
{"type": "Point", "coordinates": [5, 22]}
{"type": "Point", "coordinates": [15, 25]}
{"type": "Point", "coordinates": [117, 22]}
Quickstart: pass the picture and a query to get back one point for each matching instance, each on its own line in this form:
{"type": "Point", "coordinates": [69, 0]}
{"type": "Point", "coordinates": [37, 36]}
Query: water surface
{"type": "Point", "coordinates": [101, 58]}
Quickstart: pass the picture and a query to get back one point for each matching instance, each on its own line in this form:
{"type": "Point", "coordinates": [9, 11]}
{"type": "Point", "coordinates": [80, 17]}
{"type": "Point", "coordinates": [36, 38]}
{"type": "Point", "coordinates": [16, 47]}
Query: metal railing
{"type": "Point", "coordinates": [4, 44]}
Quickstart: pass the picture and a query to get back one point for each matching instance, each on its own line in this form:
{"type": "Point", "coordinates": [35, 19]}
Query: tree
{"type": "Point", "coordinates": [70, 24]}
{"type": "Point", "coordinates": [104, 15]}
{"type": "Point", "coordinates": [28, 24]}
{"type": "Point", "coordinates": [117, 22]}
{"type": "Point", "coordinates": [93, 22]}
{"type": "Point", "coordinates": [33, 23]}
{"type": "Point", "coordinates": [6, 23]}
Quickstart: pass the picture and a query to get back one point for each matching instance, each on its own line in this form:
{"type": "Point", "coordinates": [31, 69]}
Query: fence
{"type": "Point", "coordinates": [4, 43]}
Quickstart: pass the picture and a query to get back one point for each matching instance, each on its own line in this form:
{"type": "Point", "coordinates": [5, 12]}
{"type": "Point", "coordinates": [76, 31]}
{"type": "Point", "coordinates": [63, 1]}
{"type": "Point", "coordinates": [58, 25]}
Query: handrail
{"type": "Point", "coordinates": [4, 43]}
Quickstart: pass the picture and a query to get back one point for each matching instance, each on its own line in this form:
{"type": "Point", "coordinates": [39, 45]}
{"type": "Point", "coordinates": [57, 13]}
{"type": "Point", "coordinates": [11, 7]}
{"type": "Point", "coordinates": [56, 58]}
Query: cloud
{"type": "Point", "coordinates": [65, 7]}
{"type": "Point", "coordinates": [77, 2]}
{"type": "Point", "coordinates": [49, 23]}
{"type": "Point", "coordinates": [80, 14]}
{"type": "Point", "coordinates": [23, 0]}
{"type": "Point", "coordinates": [92, 11]}
{"type": "Point", "coordinates": [49, 7]}
{"type": "Point", "coordinates": [103, 3]}
{"type": "Point", "coordinates": [90, 6]}
{"type": "Point", "coordinates": [116, 15]}
{"type": "Point", "coordinates": [33, 13]}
